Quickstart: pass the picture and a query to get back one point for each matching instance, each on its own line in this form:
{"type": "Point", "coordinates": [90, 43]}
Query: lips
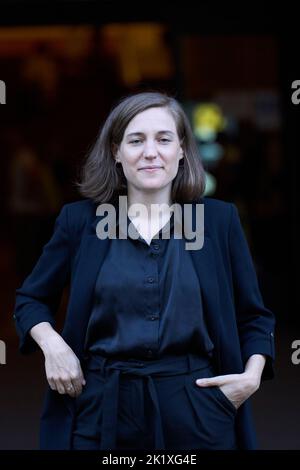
{"type": "Point", "coordinates": [151, 168]}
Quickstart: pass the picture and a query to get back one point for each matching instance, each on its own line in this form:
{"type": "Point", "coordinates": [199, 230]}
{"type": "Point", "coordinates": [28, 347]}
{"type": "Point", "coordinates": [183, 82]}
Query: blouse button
{"type": "Point", "coordinates": [150, 279]}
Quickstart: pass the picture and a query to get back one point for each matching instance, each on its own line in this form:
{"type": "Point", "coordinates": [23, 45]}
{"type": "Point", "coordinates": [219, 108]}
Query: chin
{"type": "Point", "coordinates": [150, 188]}
{"type": "Point", "coordinates": [151, 184]}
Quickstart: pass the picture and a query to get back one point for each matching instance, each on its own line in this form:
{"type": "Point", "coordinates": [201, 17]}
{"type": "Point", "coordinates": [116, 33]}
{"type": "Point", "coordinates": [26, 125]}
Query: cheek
{"type": "Point", "coordinates": [130, 161]}
{"type": "Point", "coordinates": [172, 155]}
{"type": "Point", "coordinates": [173, 160]}
{"type": "Point", "coordinates": [130, 165]}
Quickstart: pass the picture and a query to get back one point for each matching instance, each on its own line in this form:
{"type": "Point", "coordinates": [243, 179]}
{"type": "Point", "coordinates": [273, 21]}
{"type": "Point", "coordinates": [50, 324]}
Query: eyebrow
{"type": "Point", "coordinates": [141, 133]}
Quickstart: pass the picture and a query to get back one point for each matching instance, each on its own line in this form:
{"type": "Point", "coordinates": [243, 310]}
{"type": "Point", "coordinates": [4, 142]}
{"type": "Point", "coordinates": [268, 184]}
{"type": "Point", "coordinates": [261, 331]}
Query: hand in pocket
{"type": "Point", "coordinates": [237, 388]}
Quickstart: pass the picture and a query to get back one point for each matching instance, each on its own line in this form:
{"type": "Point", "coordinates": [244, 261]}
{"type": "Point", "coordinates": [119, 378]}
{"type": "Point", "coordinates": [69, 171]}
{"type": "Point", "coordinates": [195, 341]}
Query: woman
{"type": "Point", "coordinates": [162, 345]}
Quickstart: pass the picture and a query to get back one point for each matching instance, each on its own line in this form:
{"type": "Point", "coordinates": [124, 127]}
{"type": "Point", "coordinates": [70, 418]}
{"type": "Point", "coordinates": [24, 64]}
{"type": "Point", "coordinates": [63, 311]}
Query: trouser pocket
{"type": "Point", "coordinates": [212, 392]}
{"type": "Point", "coordinates": [213, 413]}
{"type": "Point", "coordinates": [224, 399]}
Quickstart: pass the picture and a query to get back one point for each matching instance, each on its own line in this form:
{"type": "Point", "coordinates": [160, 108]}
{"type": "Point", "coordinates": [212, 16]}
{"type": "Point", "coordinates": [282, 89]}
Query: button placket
{"type": "Point", "coordinates": [152, 305]}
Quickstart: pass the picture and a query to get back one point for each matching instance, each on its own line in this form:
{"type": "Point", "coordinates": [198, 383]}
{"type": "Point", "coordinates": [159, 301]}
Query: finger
{"type": "Point", "coordinates": [70, 389]}
{"type": "Point", "coordinates": [52, 384]}
{"type": "Point", "coordinates": [60, 387]}
{"type": "Point", "coordinates": [81, 377]}
{"type": "Point", "coordinates": [76, 384]}
{"type": "Point", "coordinates": [78, 381]}
{"type": "Point", "coordinates": [209, 381]}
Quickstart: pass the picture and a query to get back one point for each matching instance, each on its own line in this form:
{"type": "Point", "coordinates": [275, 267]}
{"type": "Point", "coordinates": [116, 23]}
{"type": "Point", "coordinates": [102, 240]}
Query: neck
{"type": "Point", "coordinates": [150, 198]}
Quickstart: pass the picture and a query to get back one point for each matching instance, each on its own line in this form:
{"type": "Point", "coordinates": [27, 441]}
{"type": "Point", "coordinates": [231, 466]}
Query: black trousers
{"type": "Point", "coordinates": [152, 405]}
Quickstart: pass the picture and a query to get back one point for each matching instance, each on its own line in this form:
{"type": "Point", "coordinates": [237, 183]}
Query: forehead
{"type": "Point", "coordinates": [152, 120]}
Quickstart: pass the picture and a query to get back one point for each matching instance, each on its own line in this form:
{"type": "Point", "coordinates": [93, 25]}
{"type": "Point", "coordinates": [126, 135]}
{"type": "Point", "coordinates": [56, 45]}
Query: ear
{"type": "Point", "coordinates": [181, 153]}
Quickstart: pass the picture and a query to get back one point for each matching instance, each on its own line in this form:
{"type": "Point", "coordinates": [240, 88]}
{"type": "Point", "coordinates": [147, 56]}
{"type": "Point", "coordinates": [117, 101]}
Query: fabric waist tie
{"type": "Point", "coordinates": [111, 369]}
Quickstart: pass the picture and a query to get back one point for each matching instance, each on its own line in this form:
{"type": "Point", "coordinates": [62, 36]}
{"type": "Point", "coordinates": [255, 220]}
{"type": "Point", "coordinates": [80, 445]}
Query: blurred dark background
{"type": "Point", "coordinates": [64, 65]}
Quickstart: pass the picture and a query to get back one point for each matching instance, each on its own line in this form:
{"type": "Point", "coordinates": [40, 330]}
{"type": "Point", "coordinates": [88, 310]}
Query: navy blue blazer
{"type": "Point", "coordinates": [238, 322]}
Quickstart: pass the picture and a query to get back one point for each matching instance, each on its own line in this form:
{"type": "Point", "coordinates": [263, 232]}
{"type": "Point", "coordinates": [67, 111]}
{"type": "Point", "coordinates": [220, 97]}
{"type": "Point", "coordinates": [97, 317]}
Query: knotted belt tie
{"type": "Point", "coordinates": [111, 370]}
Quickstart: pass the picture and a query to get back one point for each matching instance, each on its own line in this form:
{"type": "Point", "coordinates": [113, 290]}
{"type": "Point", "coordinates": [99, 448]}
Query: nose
{"type": "Point", "coordinates": [150, 150]}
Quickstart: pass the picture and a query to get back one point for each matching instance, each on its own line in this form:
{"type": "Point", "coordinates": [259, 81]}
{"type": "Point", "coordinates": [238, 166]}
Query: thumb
{"type": "Point", "coordinates": [208, 382]}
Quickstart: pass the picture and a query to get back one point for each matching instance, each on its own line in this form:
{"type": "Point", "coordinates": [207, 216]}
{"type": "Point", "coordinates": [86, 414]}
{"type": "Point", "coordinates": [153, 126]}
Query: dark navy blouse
{"type": "Point", "coordinates": [147, 301]}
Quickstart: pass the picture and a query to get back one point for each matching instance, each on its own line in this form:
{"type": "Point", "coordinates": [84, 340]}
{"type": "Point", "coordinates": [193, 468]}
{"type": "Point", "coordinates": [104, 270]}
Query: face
{"type": "Point", "coordinates": [150, 150]}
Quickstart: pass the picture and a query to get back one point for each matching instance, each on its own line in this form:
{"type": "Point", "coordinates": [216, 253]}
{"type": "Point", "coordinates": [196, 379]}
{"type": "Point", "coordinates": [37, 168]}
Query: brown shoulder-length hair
{"type": "Point", "coordinates": [102, 181]}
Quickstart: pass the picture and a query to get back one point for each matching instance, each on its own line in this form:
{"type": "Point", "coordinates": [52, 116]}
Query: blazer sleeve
{"type": "Point", "coordinates": [255, 322]}
{"type": "Point", "coordinates": [38, 299]}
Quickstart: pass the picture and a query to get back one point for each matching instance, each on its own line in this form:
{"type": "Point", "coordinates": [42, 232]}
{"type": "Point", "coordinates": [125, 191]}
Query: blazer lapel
{"type": "Point", "coordinates": [204, 261]}
{"type": "Point", "coordinates": [91, 257]}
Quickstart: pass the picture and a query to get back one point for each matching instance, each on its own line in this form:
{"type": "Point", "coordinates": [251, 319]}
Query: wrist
{"type": "Point", "coordinates": [252, 378]}
{"type": "Point", "coordinates": [47, 342]}
{"type": "Point", "coordinates": [254, 368]}
{"type": "Point", "coordinates": [43, 334]}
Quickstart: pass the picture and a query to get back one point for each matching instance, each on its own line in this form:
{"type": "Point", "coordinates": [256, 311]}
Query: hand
{"type": "Point", "coordinates": [236, 387]}
{"type": "Point", "coordinates": [63, 370]}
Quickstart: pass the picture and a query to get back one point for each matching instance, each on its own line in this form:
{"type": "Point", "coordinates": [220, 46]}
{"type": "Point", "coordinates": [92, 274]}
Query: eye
{"type": "Point", "coordinates": [164, 140]}
{"type": "Point", "coordinates": [135, 141]}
